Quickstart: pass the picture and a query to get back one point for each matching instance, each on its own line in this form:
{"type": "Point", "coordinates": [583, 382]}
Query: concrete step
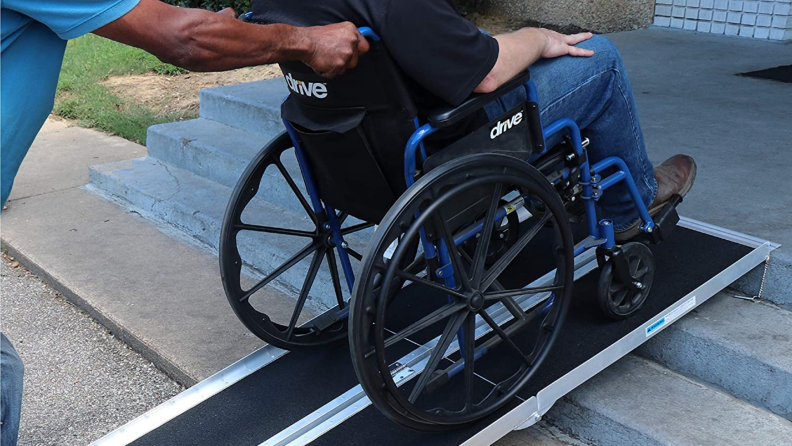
{"type": "Point", "coordinates": [221, 154]}
{"type": "Point", "coordinates": [195, 206]}
{"type": "Point", "coordinates": [777, 279]}
{"type": "Point", "coordinates": [207, 148]}
{"type": "Point", "coordinates": [742, 347]}
{"type": "Point", "coordinates": [253, 106]}
{"type": "Point", "coordinates": [639, 402]}
{"type": "Point", "coordinates": [540, 434]}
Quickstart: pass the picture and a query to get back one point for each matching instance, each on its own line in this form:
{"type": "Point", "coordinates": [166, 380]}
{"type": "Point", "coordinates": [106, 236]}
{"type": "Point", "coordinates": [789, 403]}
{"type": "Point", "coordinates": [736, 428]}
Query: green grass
{"type": "Point", "coordinates": [91, 59]}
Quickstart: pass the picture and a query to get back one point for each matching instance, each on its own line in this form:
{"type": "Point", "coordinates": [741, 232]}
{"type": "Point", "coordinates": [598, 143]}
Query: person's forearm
{"type": "Point", "coordinates": [200, 40]}
{"type": "Point", "coordinates": [213, 42]}
{"type": "Point", "coordinates": [517, 51]}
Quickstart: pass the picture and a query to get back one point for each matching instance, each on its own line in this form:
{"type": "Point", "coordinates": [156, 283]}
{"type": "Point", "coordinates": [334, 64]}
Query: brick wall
{"type": "Point", "coordinates": [766, 19]}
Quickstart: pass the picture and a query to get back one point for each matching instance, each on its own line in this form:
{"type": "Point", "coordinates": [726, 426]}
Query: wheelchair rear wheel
{"type": "Point", "coordinates": [460, 339]}
{"type": "Point", "coordinates": [273, 245]}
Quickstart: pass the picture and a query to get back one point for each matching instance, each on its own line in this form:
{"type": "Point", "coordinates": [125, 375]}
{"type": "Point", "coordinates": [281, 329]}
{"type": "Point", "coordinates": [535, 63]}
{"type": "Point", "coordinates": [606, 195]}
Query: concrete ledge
{"type": "Point", "coordinates": [638, 402]}
{"type": "Point", "coordinates": [195, 206]}
{"type": "Point", "coordinates": [253, 107]}
{"type": "Point", "coordinates": [742, 347]}
{"type": "Point", "coordinates": [170, 368]}
{"type": "Point", "coordinates": [155, 292]}
{"type": "Point", "coordinates": [778, 285]}
{"type": "Point", "coordinates": [206, 148]}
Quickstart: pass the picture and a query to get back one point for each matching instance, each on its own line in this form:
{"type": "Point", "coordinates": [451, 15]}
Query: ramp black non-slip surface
{"type": "Point", "coordinates": [270, 400]}
{"type": "Point", "coordinates": [684, 263]}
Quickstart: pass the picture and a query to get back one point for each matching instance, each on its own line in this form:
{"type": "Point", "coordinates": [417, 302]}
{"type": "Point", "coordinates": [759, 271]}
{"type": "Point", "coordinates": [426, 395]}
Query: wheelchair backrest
{"type": "Point", "coordinates": [353, 130]}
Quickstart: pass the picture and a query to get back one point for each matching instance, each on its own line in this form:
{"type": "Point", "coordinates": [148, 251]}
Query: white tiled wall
{"type": "Point", "coordinates": [765, 19]}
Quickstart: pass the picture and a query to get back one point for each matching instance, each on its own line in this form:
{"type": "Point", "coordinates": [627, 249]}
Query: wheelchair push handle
{"type": "Point", "coordinates": [365, 31]}
{"type": "Point", "coordinates": [369, 33]}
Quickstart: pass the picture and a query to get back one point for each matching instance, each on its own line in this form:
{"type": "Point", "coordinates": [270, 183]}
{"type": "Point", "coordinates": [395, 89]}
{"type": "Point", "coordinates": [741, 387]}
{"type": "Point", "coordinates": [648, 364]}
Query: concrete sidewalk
{"type": "Point", "coordinates": [154, 291]}
{"type": "Point", "coordinates": [80, 381]}
{"type": "Point", "coordinates": [739, 130]}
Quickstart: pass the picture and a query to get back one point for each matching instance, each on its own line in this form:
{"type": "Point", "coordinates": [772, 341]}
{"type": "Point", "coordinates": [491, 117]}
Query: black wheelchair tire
{"type": "Point", "coordinates": [231, 263]}
{"type": "Point", "coordinates": [639, 257]}
{"type": "Point", "coordinates": [376, 379]}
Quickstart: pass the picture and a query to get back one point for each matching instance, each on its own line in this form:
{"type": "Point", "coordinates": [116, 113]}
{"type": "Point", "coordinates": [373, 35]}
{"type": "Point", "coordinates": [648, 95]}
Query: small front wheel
{"type": "Point", "coordinates": [622, 294]}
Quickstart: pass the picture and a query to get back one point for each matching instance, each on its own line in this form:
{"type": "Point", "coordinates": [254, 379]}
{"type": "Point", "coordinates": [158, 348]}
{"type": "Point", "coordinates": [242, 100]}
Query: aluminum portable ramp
{"type": "Point", "coordinates": [273, 397]}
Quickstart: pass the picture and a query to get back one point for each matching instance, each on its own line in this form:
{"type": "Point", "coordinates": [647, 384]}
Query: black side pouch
{"type": "Point", "coordinates": [346, 170]}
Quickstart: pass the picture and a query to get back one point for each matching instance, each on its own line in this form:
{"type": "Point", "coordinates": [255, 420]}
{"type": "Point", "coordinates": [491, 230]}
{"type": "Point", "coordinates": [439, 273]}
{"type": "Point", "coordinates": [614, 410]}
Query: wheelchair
{"type": "Point", "coordinates": [470, 258]}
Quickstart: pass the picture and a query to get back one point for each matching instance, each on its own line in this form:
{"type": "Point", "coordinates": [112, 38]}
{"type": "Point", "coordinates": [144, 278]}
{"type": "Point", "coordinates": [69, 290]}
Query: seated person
{"type": "Point", "coordinates": [579, 76]}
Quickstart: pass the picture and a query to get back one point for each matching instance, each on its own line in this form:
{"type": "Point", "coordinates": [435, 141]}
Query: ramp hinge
{"type": "Point", "coordinates": [758, 297]}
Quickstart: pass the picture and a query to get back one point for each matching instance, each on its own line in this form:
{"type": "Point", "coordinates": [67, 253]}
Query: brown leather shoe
{"type": "Point", "coordinates": [675, 176]}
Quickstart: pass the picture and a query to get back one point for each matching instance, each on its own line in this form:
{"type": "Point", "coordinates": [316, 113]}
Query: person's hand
{"type": "Point", "coordinates": [557, 44]}
{"type": "Point", "coordinates": [228, 12]}
{"type": "Point", "coordinates": [335, 48]}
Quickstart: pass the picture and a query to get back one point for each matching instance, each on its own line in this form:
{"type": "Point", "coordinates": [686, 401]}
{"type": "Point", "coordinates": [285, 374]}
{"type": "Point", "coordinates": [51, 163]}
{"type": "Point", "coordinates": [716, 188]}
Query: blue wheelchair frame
{"type": "Point", "coordinates": [601, 232]}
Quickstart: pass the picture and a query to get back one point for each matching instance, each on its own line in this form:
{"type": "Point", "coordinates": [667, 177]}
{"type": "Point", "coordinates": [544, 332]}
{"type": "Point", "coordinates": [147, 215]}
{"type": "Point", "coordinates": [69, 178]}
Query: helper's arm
{"type": "Point", "coordinates": [200, 40]}
{"type": "Point", "coordinates": [520, 49]}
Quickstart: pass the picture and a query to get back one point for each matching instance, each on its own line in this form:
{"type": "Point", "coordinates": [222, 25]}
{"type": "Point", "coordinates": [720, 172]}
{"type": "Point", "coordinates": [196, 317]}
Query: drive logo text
{"type": "Point", "coordinates": [309, 89]}
{"type": "Point", "coordinates": [503, 126]}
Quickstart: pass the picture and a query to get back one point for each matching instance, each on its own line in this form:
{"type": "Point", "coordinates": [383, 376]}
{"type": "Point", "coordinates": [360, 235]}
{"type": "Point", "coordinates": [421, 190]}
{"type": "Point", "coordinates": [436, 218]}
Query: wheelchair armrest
{"type": "Point", "coordinates": [449, 115]}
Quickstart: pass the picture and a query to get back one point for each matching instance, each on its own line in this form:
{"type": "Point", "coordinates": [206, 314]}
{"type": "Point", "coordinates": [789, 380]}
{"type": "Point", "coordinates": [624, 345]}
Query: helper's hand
{"type": "Point", "coordinates": [557, 44]}
{"type": "Point", "coordinates": [228, 12]}
{"type": "Point", "coordinates": [335, 48]}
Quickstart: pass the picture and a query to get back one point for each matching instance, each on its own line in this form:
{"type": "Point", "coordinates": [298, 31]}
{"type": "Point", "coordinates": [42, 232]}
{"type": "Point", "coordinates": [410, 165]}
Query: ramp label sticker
{"type": "Point", "coordinates": [672, 315]}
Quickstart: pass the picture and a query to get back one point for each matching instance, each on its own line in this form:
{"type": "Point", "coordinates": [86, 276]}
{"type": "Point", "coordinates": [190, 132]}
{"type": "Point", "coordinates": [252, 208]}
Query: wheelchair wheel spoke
{"type": "Point", "coordinates": [617, 287]}
{"type": "Point", "coordinates": [622, 296]}
{"type": "Point", "coordinates": [297, 192]}
{"type": "Point", "coordinates": [438, 352]}
{"type": "Point", "coordinates": [498, 295]}
{"type": "Point", "coordinates": [356, 228]}
{"type": "Point", "coordinates": [331, 263]}
{"type": "Point", "coordinates": [541, 339]}
{"type": "Point", "coordinates": [429, 284]}
{"type": "Point", "coordinates": [271, 230]}
{"type": "Point", "coordinates": [507, 302]}
{"type": "Point", "coordinates": [427, 321]}
{"type": "Point", "coordinates": [505, 337]}
{"type": "Point", "coordinates": [316, 262]}
{"type": "Point", "coordinates": [495, 271]}
{"type": "Point", "coordinates": [453, 253]}
{"type": "Point", "coordinates": [354, 254]}
{"type": "Point", "coordinates": [417, 265]}
{"type": "Point", "coordinates": [280, 270]}
{"type": "Point", "coordinates": [469, 358]}
{"type": "Point", "coordinates": [484, 241]}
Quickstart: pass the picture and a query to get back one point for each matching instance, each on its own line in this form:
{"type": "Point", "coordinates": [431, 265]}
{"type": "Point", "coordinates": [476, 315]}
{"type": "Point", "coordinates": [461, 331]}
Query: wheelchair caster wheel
{"type": "Point", "coordinates": [626, 280]}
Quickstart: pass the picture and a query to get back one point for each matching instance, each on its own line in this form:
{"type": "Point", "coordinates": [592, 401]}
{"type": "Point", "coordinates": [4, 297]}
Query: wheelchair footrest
{"type": "Point", "coordinates": [665, 220]}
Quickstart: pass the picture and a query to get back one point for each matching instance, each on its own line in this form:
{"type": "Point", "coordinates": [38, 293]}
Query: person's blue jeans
{"type": "Point", "coordinates": [11, 372]}
{"type": "Point", "coordinates": [595, 93]}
